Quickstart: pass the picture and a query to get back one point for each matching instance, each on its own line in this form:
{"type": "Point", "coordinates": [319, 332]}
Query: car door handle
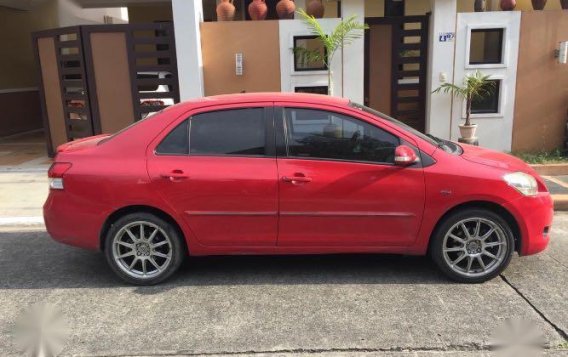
{"type": "Point", "coordinates": [175, 175]}
{"type": "Point", "coordinates": [297, 179]}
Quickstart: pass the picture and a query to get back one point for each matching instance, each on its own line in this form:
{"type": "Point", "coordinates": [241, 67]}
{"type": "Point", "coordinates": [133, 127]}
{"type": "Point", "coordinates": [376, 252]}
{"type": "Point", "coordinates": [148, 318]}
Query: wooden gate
{"type": "Point", "coordinates": [396, 53]}
{"type": "Point", "coordinates": [101, 78]}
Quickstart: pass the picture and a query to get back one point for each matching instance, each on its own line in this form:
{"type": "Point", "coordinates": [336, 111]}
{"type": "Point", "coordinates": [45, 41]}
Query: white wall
{"type": "Point", "coordinates": [71, 14]}
{"type": "Point", "coordinates": [440, 64]}
{"type": "Point", "coordinates": [289, 79]}
{"type": "Point", "coordinates": [348, 65]}
{"type": "Point", "coordinates": [494, 130]}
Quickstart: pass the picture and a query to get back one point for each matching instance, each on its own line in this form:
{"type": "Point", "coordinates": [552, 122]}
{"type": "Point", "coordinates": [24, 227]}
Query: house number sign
{"type": "Point", "coordinates": [446, 37]}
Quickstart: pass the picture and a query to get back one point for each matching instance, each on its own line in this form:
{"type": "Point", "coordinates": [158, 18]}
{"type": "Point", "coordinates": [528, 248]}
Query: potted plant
{"type": "Point", "coordinates": [475, 86]}
{"type": "Point", "coordinates": [343, 34]}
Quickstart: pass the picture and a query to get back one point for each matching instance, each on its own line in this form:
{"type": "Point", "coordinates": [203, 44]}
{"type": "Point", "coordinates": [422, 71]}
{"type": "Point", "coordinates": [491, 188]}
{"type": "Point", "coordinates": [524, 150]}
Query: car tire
{"type": "Point", "coordinates": [143, 249]}
{"type": "Point", "coordinates": [477, 253]}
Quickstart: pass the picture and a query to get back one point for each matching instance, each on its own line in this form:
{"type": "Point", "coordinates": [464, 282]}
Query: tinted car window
{"type": "Point", "coordinates": [327, 135]}
{"type": "Point", "coordinates": [177, 141]}
{"type": "Point", "coordinates": [228, 132]}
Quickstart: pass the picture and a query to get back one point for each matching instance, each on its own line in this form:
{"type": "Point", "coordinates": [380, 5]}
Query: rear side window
{"type": "Point", "coordinates": [176, 142]}
{"type": "Point", "coordinates": [328, 135]}
{"type": "Point", "coordinates": [239, 132]}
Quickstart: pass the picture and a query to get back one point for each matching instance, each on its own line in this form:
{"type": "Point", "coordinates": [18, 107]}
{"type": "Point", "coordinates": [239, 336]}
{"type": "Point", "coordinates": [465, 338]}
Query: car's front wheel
{"type": "Point", "coordinates": [472, 245]}
{"type": "Point", "coordinates": [143, 249]}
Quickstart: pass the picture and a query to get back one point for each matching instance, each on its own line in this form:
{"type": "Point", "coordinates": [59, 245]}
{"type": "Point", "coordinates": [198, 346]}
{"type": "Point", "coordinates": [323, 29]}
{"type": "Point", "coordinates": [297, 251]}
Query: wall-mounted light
{"type": "Point", "coordinates": [239, 64]}
{"type": "Point", "coordinates": [562, 53]}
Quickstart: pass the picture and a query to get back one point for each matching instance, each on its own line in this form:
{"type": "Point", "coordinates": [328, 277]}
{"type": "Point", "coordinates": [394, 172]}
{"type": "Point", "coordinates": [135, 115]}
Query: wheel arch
{"type": "Point", "coordinates": [490, 206]}
{"type": "Point", "coordinates": [121, 212]}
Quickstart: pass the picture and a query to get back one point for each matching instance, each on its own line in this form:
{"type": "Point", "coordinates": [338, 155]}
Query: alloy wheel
{"type": "Point", "coordinates": [474, 247]}
{"type": "Point", "coordinates": [142, 249]}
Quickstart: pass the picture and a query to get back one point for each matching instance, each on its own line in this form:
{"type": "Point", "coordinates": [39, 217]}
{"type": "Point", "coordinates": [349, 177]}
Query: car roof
{"type": "Point", "coordinates": [267, 97]}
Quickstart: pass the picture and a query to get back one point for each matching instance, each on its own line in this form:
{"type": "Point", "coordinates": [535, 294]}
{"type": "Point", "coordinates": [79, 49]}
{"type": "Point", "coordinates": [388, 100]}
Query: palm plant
{"type": "Point", "coordinates": [342, 35]}
{"type": "Point", "coordinates": [476, 86]}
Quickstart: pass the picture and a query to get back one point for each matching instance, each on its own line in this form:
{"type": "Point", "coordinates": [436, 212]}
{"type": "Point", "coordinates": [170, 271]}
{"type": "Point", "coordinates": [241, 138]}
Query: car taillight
{"type": "Point", "coordinates": [55, 174]}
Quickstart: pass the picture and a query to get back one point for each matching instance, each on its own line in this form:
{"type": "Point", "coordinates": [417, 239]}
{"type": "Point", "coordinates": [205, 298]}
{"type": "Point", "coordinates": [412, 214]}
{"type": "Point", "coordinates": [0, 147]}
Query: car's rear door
{"type": "Point", "coordinates": [338, 182]}
{"type": "Point", "coordinates": [222, 176]}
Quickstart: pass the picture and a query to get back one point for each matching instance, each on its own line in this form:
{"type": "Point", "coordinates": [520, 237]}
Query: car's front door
{"type": "Point", "coordinates": [339, 185]}
{"type": "Point", "coordinates": [217, 169]}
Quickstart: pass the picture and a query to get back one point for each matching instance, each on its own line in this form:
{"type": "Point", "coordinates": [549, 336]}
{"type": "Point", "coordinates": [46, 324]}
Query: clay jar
{"type": "Point", "coordinates": [508, 5]}
{"type": "Point", "coordinates": [225, 10]}
{"type": "Point", "coordinates": [315, 8]}
{"type": "Point", "coordinates": [285, 9]}
{"type": "Point", "coordinates": [258, 10]}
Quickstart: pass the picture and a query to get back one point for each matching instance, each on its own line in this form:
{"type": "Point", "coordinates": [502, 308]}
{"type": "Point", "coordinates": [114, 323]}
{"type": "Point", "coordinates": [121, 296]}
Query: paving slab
{"type": "Point", "coordinates": [354, 304]}
{"type": "Point", "coordinates": [22, 193]}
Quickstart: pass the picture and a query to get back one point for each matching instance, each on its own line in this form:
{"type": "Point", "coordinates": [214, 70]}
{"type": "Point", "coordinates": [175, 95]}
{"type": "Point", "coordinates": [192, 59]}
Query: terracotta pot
{"type": "Point", "coordinates": [508, 5]}
{"type": "Point", "coordinates": [538, 4]}
{"type": "Point", "coordinates": [564, 4]}
{"type": "Point", "coordinates": [225, 10]}
{"type": "Point", "coordinates": [285, 9]}
{"type": "Point", "coordinates": [480, 5]}
{"type": "Point", "coordinates": [258, 10]}
{"type": "Point", "coordinates": [468, 131]}
{"type": "Point", "coordinates": [315, 8]}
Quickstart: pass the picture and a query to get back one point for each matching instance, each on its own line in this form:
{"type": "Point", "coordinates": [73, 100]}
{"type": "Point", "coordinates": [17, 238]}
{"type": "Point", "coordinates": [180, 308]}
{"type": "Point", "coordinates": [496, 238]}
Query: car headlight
{"type": "Point", "coordinates": [524, 183]}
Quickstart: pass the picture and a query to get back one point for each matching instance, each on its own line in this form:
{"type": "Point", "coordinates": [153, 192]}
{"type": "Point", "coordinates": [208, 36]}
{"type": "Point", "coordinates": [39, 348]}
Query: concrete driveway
{"type": "Point", "coordinates": [317, 306]}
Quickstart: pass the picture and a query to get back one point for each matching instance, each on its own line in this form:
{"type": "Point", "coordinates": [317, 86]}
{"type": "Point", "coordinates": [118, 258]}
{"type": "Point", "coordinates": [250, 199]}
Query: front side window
{"type": "Point", "coordinates": [327, 135]}
{"type": "Point", "coordinates": [228, 132]}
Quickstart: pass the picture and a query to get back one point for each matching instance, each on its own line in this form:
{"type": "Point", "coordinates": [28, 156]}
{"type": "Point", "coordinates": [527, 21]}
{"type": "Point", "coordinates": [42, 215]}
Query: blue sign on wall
{"type": "Point", "coordinates": [446, 36]}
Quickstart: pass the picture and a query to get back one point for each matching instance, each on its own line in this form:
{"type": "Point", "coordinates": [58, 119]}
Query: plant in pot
{"type": "Point", "coordinates": [343, 34]}
{"type": "Point", "coordinates": [476, 86]}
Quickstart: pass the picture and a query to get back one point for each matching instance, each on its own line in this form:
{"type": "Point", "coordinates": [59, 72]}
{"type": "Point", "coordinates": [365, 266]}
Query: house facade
{"type": "Point", "coordinates": [410, 49]}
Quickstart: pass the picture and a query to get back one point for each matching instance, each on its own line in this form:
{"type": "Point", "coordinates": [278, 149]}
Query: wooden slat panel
{"type": "Point", "coordinates": [411, 33]}
{"type": "Point", "coordinates": [151, 108]}
{"type": "Point", "coordinates": [411, 46]}
{"type": "Point", "coordinates": [152, 54]}
{"type": "Point", "coordinates": [157, 95]}
{"type": "Point", "coordinates": [150, 40]}
{"type": "Point", "coordinates": [407, 86]}
{"type": "Point", "coordinates": [155, 81]}
{"type": "Point", "coordinates": [155, 68]}
{"type": "Point", "coordinates": [50, 79]}
{"type": "Point", "coordinates": [408, 60]}
{"type": "Point", "coordinates": [112, 80]}
{"type": "Point", "coordinates": [408, 73]}
{"type": "Point", "coordinates": [408, 99]}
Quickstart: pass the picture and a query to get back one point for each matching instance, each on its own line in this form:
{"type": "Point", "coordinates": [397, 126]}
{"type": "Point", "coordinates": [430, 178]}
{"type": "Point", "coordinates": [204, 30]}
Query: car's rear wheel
{"type": "Point", "coordinates": [472, 245]}
{"type": "Point", "coordinates": [143, 249]}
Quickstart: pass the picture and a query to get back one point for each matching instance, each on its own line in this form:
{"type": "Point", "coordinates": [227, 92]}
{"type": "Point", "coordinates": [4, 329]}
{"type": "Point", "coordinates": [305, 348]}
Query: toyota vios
{"type": "Point", "coordinates": [291, 174]}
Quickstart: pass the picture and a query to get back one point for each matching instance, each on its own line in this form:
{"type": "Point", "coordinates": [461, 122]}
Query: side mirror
{"type": "Point", "coordinates": [404, 156]}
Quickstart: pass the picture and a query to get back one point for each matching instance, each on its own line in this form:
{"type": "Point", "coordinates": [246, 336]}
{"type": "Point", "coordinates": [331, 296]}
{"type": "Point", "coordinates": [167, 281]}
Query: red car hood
{"type": "Point", "coordinates": [494, 159]}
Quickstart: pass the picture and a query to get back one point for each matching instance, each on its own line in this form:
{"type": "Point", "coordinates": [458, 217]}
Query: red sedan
{"type": "Point", "coordinates": [291, 174]}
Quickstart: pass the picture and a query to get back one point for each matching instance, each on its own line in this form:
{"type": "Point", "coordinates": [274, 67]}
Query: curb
{"type": "Point", "coordinates": [551, 169]}
{"type": "Point", "coordinates": [560, 202]}
{"type": "Point", "coordinates": [33, 222]}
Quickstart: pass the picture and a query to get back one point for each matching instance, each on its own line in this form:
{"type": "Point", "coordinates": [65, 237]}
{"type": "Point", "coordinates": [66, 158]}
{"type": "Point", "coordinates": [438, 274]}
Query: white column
{"type": "Point", "coordinates": [440, 66]}
{"type": "Point", "coordinates": [188, 15]}
{"type": "Point", "coordinates": [354, 55]}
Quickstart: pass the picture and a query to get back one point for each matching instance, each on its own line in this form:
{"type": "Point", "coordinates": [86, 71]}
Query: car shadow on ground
{"type": "Point", "coordinates": [34, 261]}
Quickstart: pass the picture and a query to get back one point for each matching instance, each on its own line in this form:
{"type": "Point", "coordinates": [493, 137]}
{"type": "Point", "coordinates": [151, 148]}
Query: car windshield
{"type": "Point", "coordinates": [445, 145]}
